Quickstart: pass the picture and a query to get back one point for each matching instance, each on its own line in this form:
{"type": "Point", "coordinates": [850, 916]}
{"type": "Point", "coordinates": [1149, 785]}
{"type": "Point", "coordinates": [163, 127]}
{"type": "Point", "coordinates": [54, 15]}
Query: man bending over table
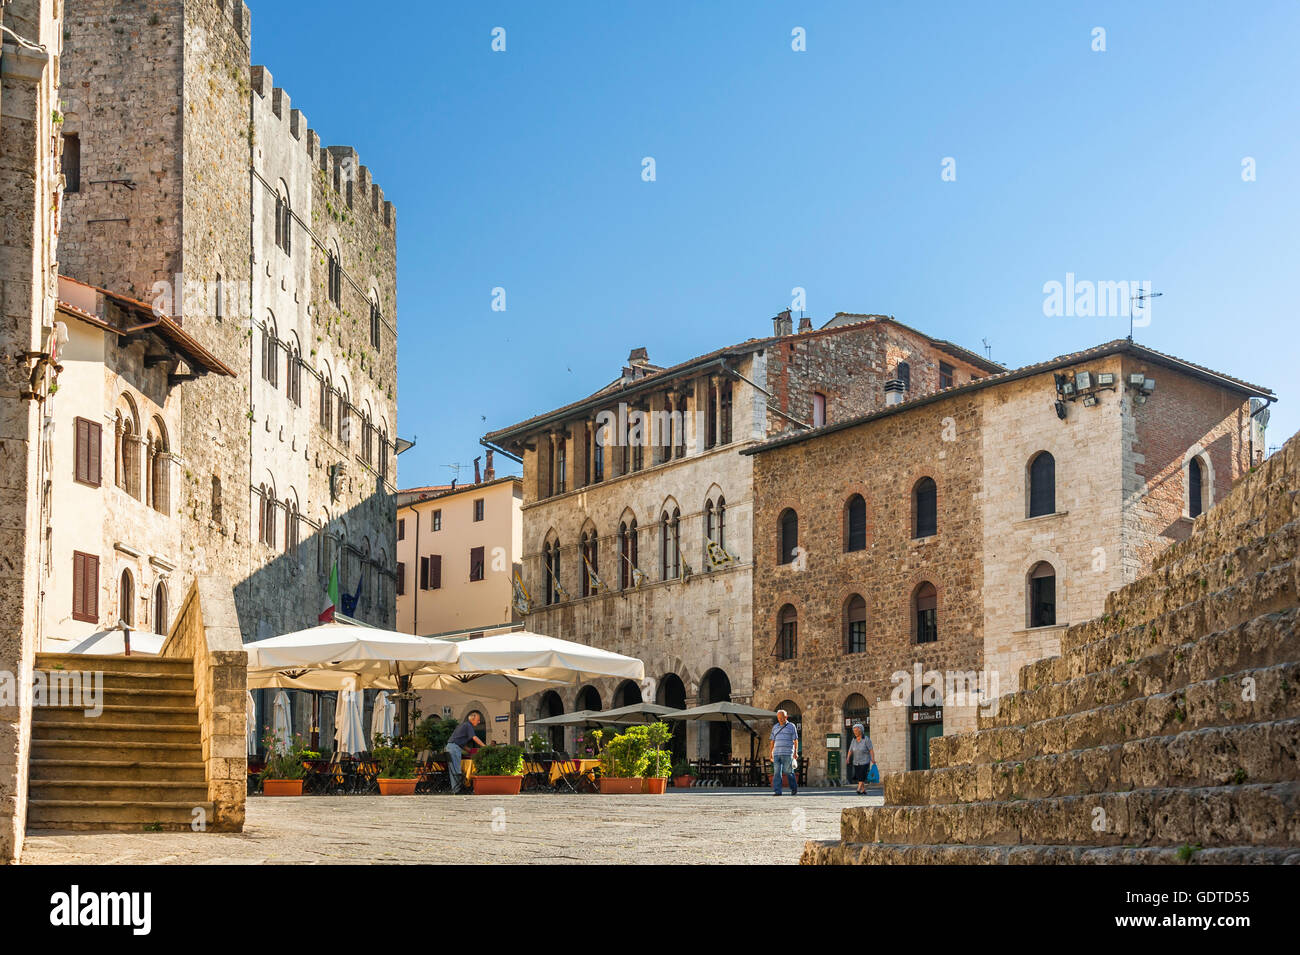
{"type": "Point", "coordinates": [461, 738]}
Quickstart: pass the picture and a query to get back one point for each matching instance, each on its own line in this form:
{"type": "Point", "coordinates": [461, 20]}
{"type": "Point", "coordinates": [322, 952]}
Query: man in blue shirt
{"type": "Point", "coordinates": [462, 736]}
{"type": "Point", "coordinates": [785, 743]}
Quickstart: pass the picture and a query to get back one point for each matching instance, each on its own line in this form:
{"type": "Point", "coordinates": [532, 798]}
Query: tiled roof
{"type": "Point", "coordinates": [1115, 347]}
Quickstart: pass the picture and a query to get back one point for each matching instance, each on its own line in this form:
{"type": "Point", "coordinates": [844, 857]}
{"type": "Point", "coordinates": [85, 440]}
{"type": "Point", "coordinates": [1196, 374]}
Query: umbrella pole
{"type": "Point", "coordinates": [315, 720]}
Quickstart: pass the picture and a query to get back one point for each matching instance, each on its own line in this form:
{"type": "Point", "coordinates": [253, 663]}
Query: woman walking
{"type": "Point", "coordinates": [860, 757]}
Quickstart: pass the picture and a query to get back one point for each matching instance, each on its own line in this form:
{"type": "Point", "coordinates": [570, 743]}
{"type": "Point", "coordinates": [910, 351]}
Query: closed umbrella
{"type": "Point", "coordinates": [281, 722]}
{"type": "Point", "coordinates": [349, 731]}
{"type": "Point", "coordinates": [384, 718]}
{"type": "Point", "coordinates": [250, 723]}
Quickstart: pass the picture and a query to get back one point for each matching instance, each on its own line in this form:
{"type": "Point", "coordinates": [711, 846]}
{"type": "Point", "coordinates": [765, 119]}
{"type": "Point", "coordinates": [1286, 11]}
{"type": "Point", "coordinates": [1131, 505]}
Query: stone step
{"type": "Point", "coordinates": [1265, 814]}
{"type": "Point", "coordinates": [1264, 637]}
{"type": "Point", "coordinates": [837, 853]}
{"type": "Point", "coordinates": [89, 730]}
{"type": "Point", "coordinates": [114, 681]}
{"type": "Point", "coordinates": [1217, 701]}
{"type": "Point", "coordinates": [1214, 756]}
{"type": "Point", "coordinates": [114, 815]}
{"type": "Point", "coordinates": [57, 768]}
{"type": "Point", "coordinates": [99, 790]}
{"type": "Point", "coordinates": [134, 714]}
{"type": "Point", "coordinates": [116, 749]}
{"type": "Point", "coordinates": [117, 663]}
{"type": "Point", "coordinates": [1160, 592]}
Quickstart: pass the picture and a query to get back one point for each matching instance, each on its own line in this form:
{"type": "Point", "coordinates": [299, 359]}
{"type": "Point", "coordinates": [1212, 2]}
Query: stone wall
{"type": "Point", "coordinates": [206, 630]}
{"type": "Point", "coordinates": [29, 208]}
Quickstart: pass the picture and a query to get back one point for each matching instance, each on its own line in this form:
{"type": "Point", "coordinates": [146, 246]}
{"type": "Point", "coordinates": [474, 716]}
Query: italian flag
{"type": "Point", "coordinates": [331, 597]}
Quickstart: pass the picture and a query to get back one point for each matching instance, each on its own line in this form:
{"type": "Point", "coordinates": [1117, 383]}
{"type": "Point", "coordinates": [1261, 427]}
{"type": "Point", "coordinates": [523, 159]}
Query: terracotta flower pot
{"type": "Point", "coordinates": [655, 785]}
{"type": "Point", "coordinates": [281, 787]}
{"type": "Point", "coordinates": [610, 786]}
{"type": "Point", "coordinates": [683, 782]}
{"type": "Point", "coordinates": [397, 787]}
{"type": "Point", "coordinates": [497, 785]}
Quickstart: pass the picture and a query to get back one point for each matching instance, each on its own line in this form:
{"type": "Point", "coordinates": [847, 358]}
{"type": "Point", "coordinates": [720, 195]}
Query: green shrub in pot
{"type": "Point", "coordinates": [499, 761]}
{"type": "Point", "coordinates": [395, 761]}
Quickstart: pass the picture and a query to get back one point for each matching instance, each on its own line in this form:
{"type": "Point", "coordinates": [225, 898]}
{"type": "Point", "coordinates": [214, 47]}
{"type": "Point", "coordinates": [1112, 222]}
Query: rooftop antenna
{"type": "Point", "coordinates": [1141, 297]}
{"type": "Point", "coordinates": [455, 468]}
{"type": "Point", "coordinates": [988, 349]}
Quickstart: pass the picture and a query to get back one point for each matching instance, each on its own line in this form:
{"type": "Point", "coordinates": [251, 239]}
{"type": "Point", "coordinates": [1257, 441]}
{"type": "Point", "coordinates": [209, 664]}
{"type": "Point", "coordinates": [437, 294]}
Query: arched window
{"type": "Point", "coordinates": [720, 515]}
{"type": "Point", "coordinates": [925, 611]}
{"type": "Point", "coordinates": [127, 454]}
{"type": "Point", "coordinates": [789, 534]}
{"type": "Point", "coordinates": [283, 219]}
{"type": "Point", "coordinates": [266, 516]}
{"type": "Point", "coordinates": [787, 638]}
{"type": "Point", "coordinates": [160, 619]}
{"type": "Point", "coordinates": [855, 528]}
{"type": "Point", "coordinates": [708, 520]}
{"type": "Point", "coordinates": [293, 371]}
{"type": "Point", "coordinates": [270, 352]}
{"type": "Point", "coordinates": [627, 554]}
{"type": "Point", "coordinates": [1042, 485]}
{"type": "Point", "coordinates": [335, 277]}
{"type": "Point", "coordinates": [591, 565]}
{"type": "Point", "coordinates": [159, 469]}
{"type": "Point", "coordinates": [375, 320]}
{"type": "Point", "coordinates": [326, 401]}
{"type": "Point", "coordinates": [126, 599]}
{"type": "Point", "coordinates": [291, 524]}
{"type": "Point", "coordinates": [345, 421]}
{"type": "Point", "coordinates": [1195, 488]}
{"type": "Point", "coordinates": [855, 625]}
{"type": "Point", "coordinates": [1042, 595]}
{"type": "Point", "coordinates": [552, 566]}
{"type": "Point", "coordinates": [925, 506]}
{"type": "Point", "coordinates": [670, 550]}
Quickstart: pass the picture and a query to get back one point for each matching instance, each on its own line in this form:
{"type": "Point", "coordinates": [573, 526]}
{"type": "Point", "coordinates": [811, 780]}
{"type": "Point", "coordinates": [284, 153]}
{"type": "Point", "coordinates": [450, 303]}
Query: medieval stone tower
{"type": "Point", "coordinates": [200, 192]}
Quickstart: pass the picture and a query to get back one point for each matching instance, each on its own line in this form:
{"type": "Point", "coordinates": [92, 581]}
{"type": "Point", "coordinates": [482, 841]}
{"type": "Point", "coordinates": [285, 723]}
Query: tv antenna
{"type": "Point", "coordinates": [455, 469]}
{"type": "Point", "coordinates": [988, 349]}
{"type": "Point", "coordinates": [1141, 297]}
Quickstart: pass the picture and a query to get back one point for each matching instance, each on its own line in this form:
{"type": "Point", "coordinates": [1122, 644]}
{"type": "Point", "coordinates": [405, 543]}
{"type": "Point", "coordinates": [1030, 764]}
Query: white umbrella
{"type": "Point", "coordinates": [250, 723]}
{"type": "Point", "coordinates": [482, 686]}
{"type": "Point", "coordinates": [320, 658]}
{"type": "Point", "coordinates": [349, 731]}
{"type": "Point", "coordinates": [548, 658]}
{"type": "Point", "coordinates": [384, 718]}
{"type": "Point", "coordinates": [281, 721]}
{"type": "Point", "coordinates": [104, 642]}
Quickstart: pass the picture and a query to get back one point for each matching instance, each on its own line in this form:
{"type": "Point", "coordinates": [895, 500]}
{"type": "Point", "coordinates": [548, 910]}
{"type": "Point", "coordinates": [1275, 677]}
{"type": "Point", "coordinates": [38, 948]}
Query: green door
{"type": "Point", "coordinates": [922, 733]}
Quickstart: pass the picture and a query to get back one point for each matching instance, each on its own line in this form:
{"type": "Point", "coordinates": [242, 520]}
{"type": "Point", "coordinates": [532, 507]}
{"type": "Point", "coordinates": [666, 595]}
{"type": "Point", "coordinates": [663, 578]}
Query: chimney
{"type": "Point", "coordinates": [489, 470]}
{"type": "Point", "coordinates": [782, 324]}
{"type": "Point", "coordinates": [805, 324]}
{"type": "Point", "coordinates": [478, 478]}
{"type": "Point", "coordinates": [894, 390]}
{"type": "Point", "coordinates": [638, 356]}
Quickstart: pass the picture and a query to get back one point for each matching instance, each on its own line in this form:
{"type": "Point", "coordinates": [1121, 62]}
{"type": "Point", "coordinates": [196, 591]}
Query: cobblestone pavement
{"type": "Point", "coordinates": [748, 828]}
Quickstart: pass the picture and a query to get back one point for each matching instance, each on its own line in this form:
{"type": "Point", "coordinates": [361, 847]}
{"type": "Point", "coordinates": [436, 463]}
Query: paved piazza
{"type": "Point", "coordinates": [750, 827]}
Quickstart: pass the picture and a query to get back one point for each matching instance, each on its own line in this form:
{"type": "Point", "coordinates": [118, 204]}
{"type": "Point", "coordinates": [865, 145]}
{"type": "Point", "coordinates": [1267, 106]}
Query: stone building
{"type": "Point", "coordinates": [637, 505]}
{"type": "Point", "coordinates": [29, 208]}
{"type": "Point", "coordinates": [948, 540]}
{"type": "Point", "coordinates": [194, 187]}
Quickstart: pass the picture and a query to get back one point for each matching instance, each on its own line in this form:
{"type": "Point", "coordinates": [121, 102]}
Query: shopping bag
{"type": "Point", "coordinates": [873, 774]}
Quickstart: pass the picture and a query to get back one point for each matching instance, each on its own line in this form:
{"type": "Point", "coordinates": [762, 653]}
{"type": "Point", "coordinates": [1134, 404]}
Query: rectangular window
{"type": "Point", "coordinates": [424, 573]}
{"type": "Point", "coordinates": [401, 530]}
{"type": "Point", "coordinates": [71, 162]}
{"type": "Point", "coordinates": [89, 438]}
{"type": "Point", "coordinates": [858, 636]}
{"type": "Point", "coordinates": [927, 629]}
{"type": "Point", "coordinates": [375, 322]}
{"type": "Point", "coordinates": [1043, 602]}
{"type": "Point", "coordinates": [478, 509]}
{"type": "Point", "coordinates": [789, 640]}
{"type": "Point", "coordinates": [401, 579]}
{"type": "Point", "coordinates": [476, 563]}
{"type": "Point", "coordinates": [435, 571]}
{"type": "Point", "coordinates": [435, 521]}
{"type": "Point", "coordinates": [819, 409]}
{"type": "Point", "coordinates": [85, 587]}
{"type": "Point", "coordinates": [945, 375]}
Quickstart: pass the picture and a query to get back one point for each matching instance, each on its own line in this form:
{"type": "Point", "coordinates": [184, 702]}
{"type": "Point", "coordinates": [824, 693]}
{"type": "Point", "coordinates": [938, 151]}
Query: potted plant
{"type": "Point", "coordinates": [623, 762]}
{"type": "Point", "coordinates": [285, 768]}
{"type": "Point", "coordinates": [683, 775]}
{"type": "Point", "coordinates": [658, 760]}
{"type": "Point", "coordinates": [434, 732]}
{"type": "Point", "coordinates": [538, 744]}
{"type": "Point", "coordinates": [396, 767]}
{"type": "Point", "coordinates": [498, 770]}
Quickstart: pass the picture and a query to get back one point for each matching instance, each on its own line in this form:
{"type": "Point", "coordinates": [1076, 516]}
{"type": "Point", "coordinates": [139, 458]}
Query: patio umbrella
{"type": "Point", "coordinates": [324, 657]}
{"type": "Point", "coordinates": [250, 723]}
{"type": "Point", "coordinates": [549, 658]}
{"type": "Point", "coordinates": [591, 719]}
{"type": "Point", "coordinates": [728, 712]}
{"type": "Point", "coordinates": [349, 731]}
{"type": "Point", "coordinates": [385, 714]}
{"type": "Point", "coordinates": [281, 721]}
{"type": "Point", "coordinates": [484, 686]}
{"type": "Point", "coordinates": [642, 713]}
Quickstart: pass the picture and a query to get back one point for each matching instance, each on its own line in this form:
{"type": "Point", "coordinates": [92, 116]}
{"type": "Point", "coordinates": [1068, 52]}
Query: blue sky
{"type": "Point", "coordinates": [818, 169]}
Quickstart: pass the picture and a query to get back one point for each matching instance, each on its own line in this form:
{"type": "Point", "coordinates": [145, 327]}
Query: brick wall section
{"type": "Point", "coordinates": [881, 460]}
{"type": "Point", "coordinates": [29, 190]}
{"type": "Point", "coordinates": [206, 630]}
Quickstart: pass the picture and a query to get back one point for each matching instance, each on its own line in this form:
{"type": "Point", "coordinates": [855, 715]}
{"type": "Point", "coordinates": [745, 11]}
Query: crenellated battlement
{"type": "Point", "coordinates": [340, 165]}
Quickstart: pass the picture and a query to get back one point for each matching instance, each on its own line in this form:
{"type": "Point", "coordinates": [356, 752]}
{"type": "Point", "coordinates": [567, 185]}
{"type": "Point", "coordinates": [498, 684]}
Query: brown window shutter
{"type": "Point", "coordinates": [82, 473]}
{"type": "Point", "coordinates": [78, 586]}
{"type": "Point", "coordinates": [435, 571]}
{"type": "Point", "coordinates": [94, 442]}
{"type": "Point", "coordinates": [424, 573]}
{"type": "Point", "coordinates": [92, 587]}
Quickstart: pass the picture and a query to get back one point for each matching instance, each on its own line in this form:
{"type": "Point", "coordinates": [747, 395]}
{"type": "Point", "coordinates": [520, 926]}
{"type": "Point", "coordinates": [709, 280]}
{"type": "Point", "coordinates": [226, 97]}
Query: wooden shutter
{"type": "Point", "coordinates": [435, 571]}
{"type": "Point", "coordinates": [424, 573]}
{"type": "Point", "coordinates": [89, 435]}
{"type": "Point", "coordinates": [85, 587]}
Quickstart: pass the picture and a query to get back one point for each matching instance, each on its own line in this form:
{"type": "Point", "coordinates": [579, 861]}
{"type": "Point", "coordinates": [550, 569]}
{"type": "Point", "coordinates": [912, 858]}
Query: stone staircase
{"type": "Point", "coordinates": [1168, 730]}
{"type": "Point", "coordinates": [137, 766]}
